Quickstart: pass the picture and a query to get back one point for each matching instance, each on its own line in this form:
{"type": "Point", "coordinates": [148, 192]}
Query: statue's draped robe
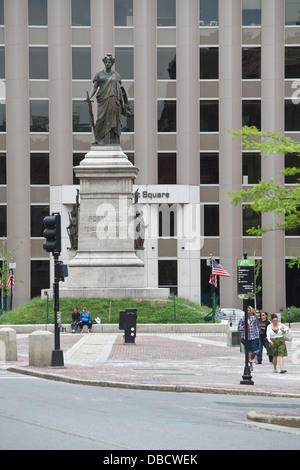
{"type": "Point", "coordinates": [108, 124]}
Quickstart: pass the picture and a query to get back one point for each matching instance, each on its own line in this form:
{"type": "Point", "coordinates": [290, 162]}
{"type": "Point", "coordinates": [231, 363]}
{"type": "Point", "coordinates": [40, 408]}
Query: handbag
{"type": "Point", "coordinates": [287, 336]}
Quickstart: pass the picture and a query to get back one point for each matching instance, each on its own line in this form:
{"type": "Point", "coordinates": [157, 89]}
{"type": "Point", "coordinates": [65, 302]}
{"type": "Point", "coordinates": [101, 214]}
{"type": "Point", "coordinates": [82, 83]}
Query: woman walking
{"type": "Point", "coordinates": [277, 349]}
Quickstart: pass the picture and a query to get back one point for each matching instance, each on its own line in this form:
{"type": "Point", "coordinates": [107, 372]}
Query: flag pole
{"type": "Point", "coordinates": [213, 291]}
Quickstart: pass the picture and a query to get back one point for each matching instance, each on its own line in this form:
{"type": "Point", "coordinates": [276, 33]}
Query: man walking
{"type": "Point", "coordinates": [253, 334]}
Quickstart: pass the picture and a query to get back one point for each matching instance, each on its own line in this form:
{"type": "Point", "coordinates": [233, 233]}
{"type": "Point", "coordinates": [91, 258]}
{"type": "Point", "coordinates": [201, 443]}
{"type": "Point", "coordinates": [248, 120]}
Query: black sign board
{"type": "Point", "coordinates": [245, 276]}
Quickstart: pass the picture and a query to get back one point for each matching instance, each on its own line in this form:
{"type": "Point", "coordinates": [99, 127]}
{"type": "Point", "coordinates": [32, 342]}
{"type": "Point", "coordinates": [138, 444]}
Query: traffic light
{"type": "Point", "coordinates": [52, 233]}
{"type": "Point", "coordinates": [62, 271]}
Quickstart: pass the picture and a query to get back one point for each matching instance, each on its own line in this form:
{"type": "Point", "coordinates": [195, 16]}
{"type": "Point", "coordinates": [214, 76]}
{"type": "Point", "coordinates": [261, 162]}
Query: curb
{"type": "Point", "coordinates": [157, 388]}
{"type": "Point", "coordinates": [289, 418]}
{"type": "Point", "coordinates": [159, 328]}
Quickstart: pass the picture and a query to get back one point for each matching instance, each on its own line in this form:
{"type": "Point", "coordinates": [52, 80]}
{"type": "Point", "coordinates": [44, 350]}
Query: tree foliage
{"type": "Point", "coordinates": [269, 196]}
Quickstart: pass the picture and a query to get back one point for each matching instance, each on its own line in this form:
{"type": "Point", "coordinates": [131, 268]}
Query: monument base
{"type": "Point", "coordinates": [106, 263]}
{"type": "Point", "coordinates": [143, 293]}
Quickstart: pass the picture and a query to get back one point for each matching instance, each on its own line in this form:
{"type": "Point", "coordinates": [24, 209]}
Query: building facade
{"type": "Point", "coordinates": [192, 70]}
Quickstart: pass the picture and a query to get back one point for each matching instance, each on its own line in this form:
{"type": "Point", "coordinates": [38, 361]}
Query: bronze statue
{"type": "Point", "coordinates": [72, 228]}
{"type": "Point", "coordinates": [112, 102]}
{"type": "Point", "coordinates": [140, 228]}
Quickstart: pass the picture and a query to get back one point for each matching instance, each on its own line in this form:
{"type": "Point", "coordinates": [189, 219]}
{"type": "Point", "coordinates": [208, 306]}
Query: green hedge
{"type": "Point", "coordinates": [295, 315]}
{"type": "Point", "coordinates": [35, 311]}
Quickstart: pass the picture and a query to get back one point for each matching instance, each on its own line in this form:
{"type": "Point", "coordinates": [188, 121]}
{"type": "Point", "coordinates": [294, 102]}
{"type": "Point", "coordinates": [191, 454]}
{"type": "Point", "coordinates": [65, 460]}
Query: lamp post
{"type": "Point", "coordinates": [247, 377]}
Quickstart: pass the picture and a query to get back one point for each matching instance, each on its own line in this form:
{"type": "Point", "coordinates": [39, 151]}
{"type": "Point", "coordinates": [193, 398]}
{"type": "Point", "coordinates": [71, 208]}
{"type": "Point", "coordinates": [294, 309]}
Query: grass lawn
{"type": "Point", "coordinates": [148, 311]}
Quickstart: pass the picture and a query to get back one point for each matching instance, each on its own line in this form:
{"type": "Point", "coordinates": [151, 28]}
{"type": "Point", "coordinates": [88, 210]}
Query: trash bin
{"type": "Point", "coordinates": [233, 335]}
{"type": "Point", "coordinates": [127, 322]}
{"type": "Point", "coordinates": [234, 338]}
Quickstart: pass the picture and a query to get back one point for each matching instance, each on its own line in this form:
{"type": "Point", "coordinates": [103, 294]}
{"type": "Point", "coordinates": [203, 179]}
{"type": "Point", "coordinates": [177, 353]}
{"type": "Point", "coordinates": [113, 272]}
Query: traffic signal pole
{"type": "Point", "coordinates": [56, 301]}
{"type": "Point", "coordinates": [52, 233]}
{"type": "Point", "coordinates": [57, 353]}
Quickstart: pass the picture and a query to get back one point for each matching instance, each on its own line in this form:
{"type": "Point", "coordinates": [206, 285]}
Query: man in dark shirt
{"type": "Point", "coordinates": [263, 342]}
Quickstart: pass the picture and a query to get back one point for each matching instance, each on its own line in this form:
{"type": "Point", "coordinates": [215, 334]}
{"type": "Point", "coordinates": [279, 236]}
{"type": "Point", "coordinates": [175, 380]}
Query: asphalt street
{"type": "Point", "coordinates": [198, 363]}
{"type": "Point", "coordinates": [38, 414]}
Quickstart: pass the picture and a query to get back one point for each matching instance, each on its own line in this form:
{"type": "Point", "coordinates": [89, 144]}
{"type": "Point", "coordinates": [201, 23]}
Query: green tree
{"type": "Point", "coordinates": [267, 196]}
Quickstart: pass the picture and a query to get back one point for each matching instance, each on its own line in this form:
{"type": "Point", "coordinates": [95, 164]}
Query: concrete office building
{"type": "Point", "coordinates": [192, 70]}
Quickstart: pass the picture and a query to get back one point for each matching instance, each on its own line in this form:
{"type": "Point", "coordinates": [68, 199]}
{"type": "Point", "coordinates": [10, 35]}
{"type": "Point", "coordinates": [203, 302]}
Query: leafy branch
{"type": "Point", "coordinates": [268, 196]}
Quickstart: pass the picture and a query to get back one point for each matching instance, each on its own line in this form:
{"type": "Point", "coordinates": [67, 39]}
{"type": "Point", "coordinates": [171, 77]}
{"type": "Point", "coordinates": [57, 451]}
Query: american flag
{"type": "Point", "coordinates": [218, 270]}
{"type": "Point", "coordinates": [10, 280]}
{"type": "Point", "coordinates": [213, 280]}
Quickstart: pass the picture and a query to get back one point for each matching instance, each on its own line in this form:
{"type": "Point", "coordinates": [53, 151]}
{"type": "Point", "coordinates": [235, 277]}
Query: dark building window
{"type": "Point", "coordinates": [77, 157]}
{"type": "Point", "coordinates": [3, 223]}
{"type": "Point", "coordinates": [292, 17]}
{"type": "Point", "coordinates": [124, 64]}
{"type": "Point", "coordinates": [81, 13]}
{"type": "Point", "coordinates": [251, 12]}
{"type": "Point", "coordinates": [292, 276]}
{"type": "Point", "coordinates": [37, 215]}
{"type": "Point", "coordinates": [251, 168]}
{"type": "Point", "coordinates": [2, 168]}
{"type": "Point", "coordinates": [292, 160]}
{"type": "Point", "coordinates": [292, 116]}
{"type": "Point", "coordinates": [2, 63]}
{"type": "Point", "coordinates": [39, 168]}
{"type": "Point", "coordinates": [40, 277]}
{"type": "Point", "coordinates": [251, 113]}
{"type": "Point", "coordinates": [250, 219]}
{"type": "Point", "coordinates": [81, 63]}
{"type": "Point", "coordinates": [211, 220]}
{"type": "Point", "coordinates": [209, 63]}
{"type": "Point", "coordinates": [81, 117]}
{"type": "Point", "coordinates": [37, 13]}
{"type": "Point", "coordinates": [209, 168]}
{"type": "Point", "coordinates": [130, 156]}
{"type": "Point", "coordinates": [166, 163]}
{"type": "Point", "coordinates": [166, 116]}
{"type": "Point", "coordinates": [209, 12]}
{"type": "Point", "coordinates": [2, 117]}
{"type": "Point", "coordinates": [123, 12]}
{"type": "Point", "coordinates": [251, 63]}
{"type": "Point", "coordinates": [292, 61]}
{"type": "Point", "coordinates": [167, 274]}
{"type": "Point", "coordinates": [2, 12]}
{"type": "Point", "coordinates": [166, 63]}
{"type": "Point", "coordinates": [166, 12]}
{"type": "Point", "coordinates": [209, 116]}
{"type": "Point", "coordinates": [39, 116]}
{"type": "Point", "coordinates": [38, 63]}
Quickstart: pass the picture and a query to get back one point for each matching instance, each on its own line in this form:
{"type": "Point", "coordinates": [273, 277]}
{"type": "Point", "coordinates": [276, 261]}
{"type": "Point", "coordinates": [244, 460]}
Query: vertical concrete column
{"type": "Point", "coordinates": [145, 79]}
{"type": "Point", "coordinates": [272, 118]}
{"type": "Point", "coordinates": [102, 32]}
{"type": "Point", "coordinates": [40, 346]}
{"type": "Point", "coordinates": [152, 235]}
{"type": "Point", "coordinates": [230, 159]}
{"type": "Point", "coordinates": [9, 337]}
{"type": "Point", "coordinates": [187, 86]}
{"type": "Point", "coordinates": [18, 142]}
{"type": "Point", "coordinates": [60, 92]}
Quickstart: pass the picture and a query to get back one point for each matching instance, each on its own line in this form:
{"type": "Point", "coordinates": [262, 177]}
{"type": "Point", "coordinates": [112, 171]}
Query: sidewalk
{"type": "Point", "coordinates": [168, 362]}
